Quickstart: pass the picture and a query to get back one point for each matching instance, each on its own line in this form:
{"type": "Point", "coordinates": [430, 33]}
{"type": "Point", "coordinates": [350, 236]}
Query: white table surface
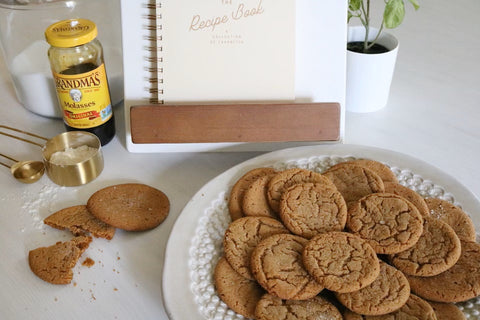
{"type": "Point", "coordinates": [433, 114]}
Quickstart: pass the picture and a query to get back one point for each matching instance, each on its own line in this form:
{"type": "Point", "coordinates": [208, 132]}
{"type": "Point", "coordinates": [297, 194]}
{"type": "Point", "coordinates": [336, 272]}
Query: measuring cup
{"type": "Point", "coordinates": [69, 174]}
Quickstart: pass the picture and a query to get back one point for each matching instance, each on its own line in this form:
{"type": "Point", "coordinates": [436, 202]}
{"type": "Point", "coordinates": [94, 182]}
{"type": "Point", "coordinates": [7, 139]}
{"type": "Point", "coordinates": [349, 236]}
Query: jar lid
{"type": "Point", "coordinates": [71, 33]}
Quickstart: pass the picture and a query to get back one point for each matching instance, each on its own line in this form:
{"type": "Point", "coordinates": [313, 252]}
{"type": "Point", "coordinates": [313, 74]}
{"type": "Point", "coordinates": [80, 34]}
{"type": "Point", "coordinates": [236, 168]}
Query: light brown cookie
{"type": "Point", "coordinates": [54, 264]}
{"type": "Point", "coordinates": [282, 180]}
{"type": "Point", "coordinates": [255, 202]}
{"type": "Point", "coordinates": [414, 309]}
{"type": "Point", "coordinates": [308, 209]}
{"type": "Point", "coordinates": [410, 195]}
{"type": "Point", "coordinates": [447, 311]}
{"type": "Point", "coordinates": [130, 206]}
{"type": "Point", "coordinates": [238, 190]}
{"type": "Point", "coordinates": [388, 222]}
{"type": "Point", "coordinates": [453, 216]}
{"type": "Point", "coordinates": [243, 235]}
{"type": "Point", "coordinates": [459, 283]}
{"type": "Point", "coordinates": [273, 308]}
{"type": "Point", "coordinates": [79, 221]}
{"type": "Point", "coordinates": [340, 261]}
{"type": "Point", "coordinates": [389, 292]}
{"type": "Point", "coordinates": [384, 171]}
{"type": "Point", "coordinates": [239, 294]}
{"type": "Point", "coordinates": [277, 266]}
{"type": "Point", "coordinates": [437, 250]}
{"type": "Point", "coordinates": [350, 315]}
{"type": "Point", "coordinates": [354, 182]}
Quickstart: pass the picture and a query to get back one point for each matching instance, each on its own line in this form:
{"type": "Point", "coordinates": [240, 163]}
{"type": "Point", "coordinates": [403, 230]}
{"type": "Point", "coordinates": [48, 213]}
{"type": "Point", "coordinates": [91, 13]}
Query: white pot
{"type": "Point", "coordinates": [369, 75]}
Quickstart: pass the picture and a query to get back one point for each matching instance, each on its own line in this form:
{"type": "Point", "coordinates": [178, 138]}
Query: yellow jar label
{"type": "Point", "coordinates": [84, 98]}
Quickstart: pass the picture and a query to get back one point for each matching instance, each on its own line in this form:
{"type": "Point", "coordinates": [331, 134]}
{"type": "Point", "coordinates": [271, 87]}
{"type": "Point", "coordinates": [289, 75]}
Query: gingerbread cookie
{"type": "Point", "coordinates": [410, 195]}
{"type": "Point", "coordinates": [354, 182]}
{"type": "Point", "coordinates": [255, 202]}
{"type": "Point", "coordinates": [238, 190]}
{"type": "Point", "coordinates": [414, 308]}
{"type": "Point", "coordinates": [277, 266]}
{"type": "Point", "coordinates": [389, 292]}
{"type": "Point", "coordinates": [382, 170]}
{"type": "Point", "coordinates": [453, 216]}
{"type": "Point", "coordinates": [239, 294]}
{"type": "Point", "coordinates": [79, 221]}
{"type": "Point", "coordinates": [350, 315]}
{"type": "Point", "coordinates": [459, 283]}
{"type": "Point", "coordinates": [437, 250]}
{"type": "Point", "coordinates": [54, 264]}
{"type": "Point", "coordinates": [273, 308]}
{"type": "Point", "coordinates": [447, 311]}
{"type": "Point", "coordinates": [308, 209]}
{"type": "Point", "coordinates": [341, 261]}
{"type": "Point", "coordinates": [130, 206]}
{"type": "Point", "coordinates": [243, 235]}
{"type": "Point", "coordinates": [281, 181]}
{"type": "Point", "coordinates": [388, 222]}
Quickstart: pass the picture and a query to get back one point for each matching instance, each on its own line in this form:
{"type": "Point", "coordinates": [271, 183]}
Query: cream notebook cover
{"type": "Point", "coordinates": [226, 50]}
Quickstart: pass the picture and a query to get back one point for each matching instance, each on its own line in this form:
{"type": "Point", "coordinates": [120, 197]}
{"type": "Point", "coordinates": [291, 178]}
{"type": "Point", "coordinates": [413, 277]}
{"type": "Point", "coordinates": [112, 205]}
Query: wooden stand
{"type": "Point", "coordinates": [235, 123]}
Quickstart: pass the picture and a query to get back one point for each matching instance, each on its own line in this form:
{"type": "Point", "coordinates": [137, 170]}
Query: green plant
{"type": "Point", "coordinates": [393, 15]}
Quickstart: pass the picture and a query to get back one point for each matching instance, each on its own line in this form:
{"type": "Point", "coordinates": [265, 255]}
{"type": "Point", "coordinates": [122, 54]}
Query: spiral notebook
{"type": "Point", "coordinates": [221, 58]}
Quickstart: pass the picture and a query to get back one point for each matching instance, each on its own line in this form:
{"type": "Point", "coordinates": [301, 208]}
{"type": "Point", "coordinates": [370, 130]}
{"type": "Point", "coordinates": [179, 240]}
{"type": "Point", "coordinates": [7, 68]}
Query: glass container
{"type": "Point", "coordinates": [22, 40]}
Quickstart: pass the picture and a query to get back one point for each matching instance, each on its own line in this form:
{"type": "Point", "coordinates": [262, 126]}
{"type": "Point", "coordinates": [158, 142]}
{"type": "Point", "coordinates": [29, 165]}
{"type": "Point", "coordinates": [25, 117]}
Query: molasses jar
{"type": "Point", "coordinates": [76, 59]}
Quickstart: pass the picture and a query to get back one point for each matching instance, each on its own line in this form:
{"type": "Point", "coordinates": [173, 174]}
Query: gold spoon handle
{"type": "Point", "coordinates": [5, 165]}
{"type": "Point", "coordinates": [18, 138]}
{"type": "Point", "coordinates": [25, 132]}
{"type": "Point", "coordinates": [9, 158]}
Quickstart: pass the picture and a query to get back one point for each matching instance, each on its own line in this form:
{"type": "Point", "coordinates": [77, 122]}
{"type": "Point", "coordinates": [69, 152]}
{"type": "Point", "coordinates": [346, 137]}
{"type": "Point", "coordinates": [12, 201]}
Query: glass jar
{"type": "Point", "coordinates": [78, 69]}
{"type": "Point", "coordinates": [24, 49]}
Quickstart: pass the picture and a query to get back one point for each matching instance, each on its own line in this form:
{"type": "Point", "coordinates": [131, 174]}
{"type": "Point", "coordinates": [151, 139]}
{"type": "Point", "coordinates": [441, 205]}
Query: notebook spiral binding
{"type": "Point", "coordinates": [152, 40]}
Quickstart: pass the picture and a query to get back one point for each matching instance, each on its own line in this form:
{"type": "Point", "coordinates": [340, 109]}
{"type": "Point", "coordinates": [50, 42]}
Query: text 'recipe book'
{"type": "Point", "coordinates": [222, 52]}
{"type": "Point", "coordinates": [226, 50]}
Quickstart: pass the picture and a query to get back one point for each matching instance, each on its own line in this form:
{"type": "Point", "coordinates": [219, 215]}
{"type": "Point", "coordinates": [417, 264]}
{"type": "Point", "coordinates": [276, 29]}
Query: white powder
{"type": "Point", "coordinates": [34, 85]}
{"type": "Point", "coordinates": [38, 204]}
{"type": "Point", "coordinates": [33, 80]}
{"type": "Point", "coordinates": [72, 155]}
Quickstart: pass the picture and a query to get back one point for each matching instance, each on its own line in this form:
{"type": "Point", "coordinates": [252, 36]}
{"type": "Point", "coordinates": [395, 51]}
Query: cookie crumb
{"type": "Point", "coordinates": [88, 262]}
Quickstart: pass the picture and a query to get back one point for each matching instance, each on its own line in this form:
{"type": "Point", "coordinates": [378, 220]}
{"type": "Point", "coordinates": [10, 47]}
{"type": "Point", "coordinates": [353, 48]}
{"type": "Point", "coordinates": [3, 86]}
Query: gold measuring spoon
{"type": "Point", "coordinates": [25, 171]}
{"type": "Point", "coordinates": [28, 171]}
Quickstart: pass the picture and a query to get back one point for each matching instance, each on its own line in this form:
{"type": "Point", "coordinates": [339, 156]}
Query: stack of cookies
{"type": "Point", "coordinates": [348, 243]}
{"type": "Point", "coordinates": [131, 207]}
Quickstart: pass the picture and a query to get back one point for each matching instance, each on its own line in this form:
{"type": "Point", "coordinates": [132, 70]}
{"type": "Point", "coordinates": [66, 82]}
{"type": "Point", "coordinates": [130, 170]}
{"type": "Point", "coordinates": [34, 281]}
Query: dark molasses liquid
{"type": "Point", "coordinates": [105, 132]}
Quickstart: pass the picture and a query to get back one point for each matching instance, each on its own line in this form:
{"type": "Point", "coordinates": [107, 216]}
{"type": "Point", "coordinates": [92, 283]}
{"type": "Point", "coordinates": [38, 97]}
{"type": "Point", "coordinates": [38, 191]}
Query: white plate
{"type": "Point", "coordinates": [195, 243]}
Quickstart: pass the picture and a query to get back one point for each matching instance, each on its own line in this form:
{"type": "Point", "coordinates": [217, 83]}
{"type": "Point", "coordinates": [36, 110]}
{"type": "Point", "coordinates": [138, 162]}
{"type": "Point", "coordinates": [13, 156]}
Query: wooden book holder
{"type": "Point", "coordinates": [275, 122]}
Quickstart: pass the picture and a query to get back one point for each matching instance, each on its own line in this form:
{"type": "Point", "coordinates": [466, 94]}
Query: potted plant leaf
{"type": "Point", "coordinates": [372, 53]}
